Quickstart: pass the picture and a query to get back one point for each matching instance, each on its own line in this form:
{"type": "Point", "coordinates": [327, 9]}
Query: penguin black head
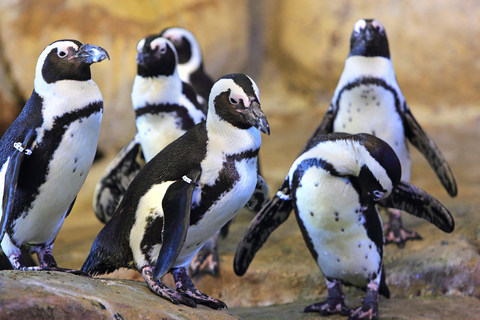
{"type": "Point", "coordinates": [235, 99]}
{"type": "Point", "coordinates": [385, 156]}
{"type": "Point", "coordinates": [68, 60]}
{"type": "Point", "coordinates": [369, 39]}
{"type": "Point", "coordinates": [156, 56]}
{"type": "Point", "coordinates": [185, 43]}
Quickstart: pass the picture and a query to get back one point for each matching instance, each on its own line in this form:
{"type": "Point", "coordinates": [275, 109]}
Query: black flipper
{"type": "Point", "coordinates": [429, 149]}
{"type": "Point", "coordinates": [419, 203]}
{"type": "Point", "coordinates": [117, 177]}
{"type": "Point", "coordinates": [178, 203]}
{"type": "Point", "coordinates": [259, 196]}
{"type": "Point", "coordinates": [23, 149]}
{"type": "Point", "coordinates": [270, 217]}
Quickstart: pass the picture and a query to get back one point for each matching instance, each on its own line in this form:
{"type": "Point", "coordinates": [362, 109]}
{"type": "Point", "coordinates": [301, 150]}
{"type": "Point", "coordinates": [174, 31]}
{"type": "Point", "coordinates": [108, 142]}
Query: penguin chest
{"type": "Point", "coordinates": [328, 208]}
{"type": "Point", "coordinates": [156, 131]}
{"type": "Point", "coordinates": [371, 108]}
{"type": "Point", "coordinates": [215, 204]}
{"type": "Point", "coordinates": [67, 165]}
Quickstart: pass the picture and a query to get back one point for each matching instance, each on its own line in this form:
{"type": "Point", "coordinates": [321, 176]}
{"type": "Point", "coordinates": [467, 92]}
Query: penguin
{"type": "Point", "coordinates": [47, 152]}
{"type": "Point", "coordinates": [335, 185]}
{"type": "Point", "coordinates": [186, 193]}
{"type": "Point", "coordinates": [368, 99]}
{"type": "Point", "coordinates": [190, 61]}
{"type": "Point", "coordinates": [165, 108]}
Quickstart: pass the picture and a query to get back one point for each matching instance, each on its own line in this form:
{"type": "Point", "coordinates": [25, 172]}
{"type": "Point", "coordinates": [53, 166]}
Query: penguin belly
{"type": "Point", "coordinates": [156, 131]}
{"type": "Point", "coordinates": [222, 211]}
{"type": "Point", "coordinates": [328, 208]}
{"type": "Point", "coordinates": [68, 168]}
{"type": "Point", "coordinates": [370, 108]}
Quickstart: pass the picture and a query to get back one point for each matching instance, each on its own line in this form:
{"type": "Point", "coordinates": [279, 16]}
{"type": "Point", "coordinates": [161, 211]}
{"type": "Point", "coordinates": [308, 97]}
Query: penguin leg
{"type": "Point", "coordinates": [157, 287]}
{"type": "Point", "coordinates": [395, 232]}
{"type": "Point", "coordinates": [335, 303]}
{"type": "Point", "coordinates": [48, 263]}
{"type": "Point", "coordinates": [369, 307]}
{"type": "Point", "coordinates": [206, 260]}
{"type": "Point", "coordinates": [186, 288]}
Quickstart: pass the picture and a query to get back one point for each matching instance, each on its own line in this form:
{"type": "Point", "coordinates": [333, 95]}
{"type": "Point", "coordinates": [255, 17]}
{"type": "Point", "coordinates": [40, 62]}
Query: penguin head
{"type": "Point", "coordinates": [381, 170]}
{"type": "Point", "coordinates": [67, 60]}
{"type": "Point", "coordinates": [234, 98]}
{"type": "Point", "coordinates": [186, 44]}
{"type": "Point", "coordinates": [156, 56]}
{"type": "Point", "coordinates": [369, 39]}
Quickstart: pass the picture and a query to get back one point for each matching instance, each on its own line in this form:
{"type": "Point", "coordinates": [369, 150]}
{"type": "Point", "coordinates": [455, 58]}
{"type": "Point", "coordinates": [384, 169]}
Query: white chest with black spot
{"type": "Point", "coordinates": [69, 165]}
{"type": "Point", "coordinates": [370, 107]}
{"type": "Point", "coordinates": [157, 130]}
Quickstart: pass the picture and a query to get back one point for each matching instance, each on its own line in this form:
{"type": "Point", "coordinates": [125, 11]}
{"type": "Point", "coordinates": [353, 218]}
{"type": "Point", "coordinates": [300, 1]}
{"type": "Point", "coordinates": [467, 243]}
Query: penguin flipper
{"type": "Point", "coordinates": [259, 196]}
{"type": "Point", "coordinates": [178, 203]}
{"type": "Point", "coordinates": [419, 203]}
{"type": "Point", "coordinates": [11, 177]}
{"type": "Point", "coordinates": [270, 217]}
{"type": "Point", "coordinates": [115, 180]}
{"type": "Point", "coordinates": [429, 149]}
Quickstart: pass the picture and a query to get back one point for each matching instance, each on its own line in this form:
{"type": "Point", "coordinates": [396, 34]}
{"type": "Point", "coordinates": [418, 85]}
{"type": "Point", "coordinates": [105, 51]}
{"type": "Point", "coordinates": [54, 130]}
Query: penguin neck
{"type": "Point", "coordinates": [192, 65]}
{"type": "Point", "coordinates": [229, 138]}
{"type": "Point", "coordinates": [65, 96]}
{"type": "Point", "coordinates": [378, 67]}
{"type": "Point", "coordinates": [156, 90]}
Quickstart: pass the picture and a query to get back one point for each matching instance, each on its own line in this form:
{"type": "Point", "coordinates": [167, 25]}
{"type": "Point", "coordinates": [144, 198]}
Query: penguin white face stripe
{"type": "Point", "coordinates": [175, 35]}
{"type": "Point", "coordinates": [3, 172]}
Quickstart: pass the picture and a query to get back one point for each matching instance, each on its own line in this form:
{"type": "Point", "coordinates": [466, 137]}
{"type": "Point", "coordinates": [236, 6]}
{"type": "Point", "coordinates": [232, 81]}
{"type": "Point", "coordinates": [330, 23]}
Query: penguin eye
{"type": "Point", "coordinates": [62, 54]}
{"type": "Point", "coordinates": [163, 49]}
{"type": "Point", "coordinates": [233, 101]}
{"type": "Point", "coordinates": [378, 194]}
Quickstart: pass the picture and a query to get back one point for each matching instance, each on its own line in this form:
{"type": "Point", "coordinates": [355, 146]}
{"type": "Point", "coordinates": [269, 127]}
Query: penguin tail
{"type": "Point", "coordinates": [383, 289]}
{"type": "Point", "coordinates": [107, 255]}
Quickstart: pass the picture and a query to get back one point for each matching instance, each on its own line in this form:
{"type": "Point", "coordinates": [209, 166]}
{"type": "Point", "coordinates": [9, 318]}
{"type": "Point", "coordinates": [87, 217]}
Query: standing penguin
{"type": "Point", "coordinates": [335, 185]}
{"type": "Point", "coordinates": [191, 70]}
{"type": "Point", "coordinates": [165, 108]}
{"type": "Point", "coordinates": [190, 61]}
{"type": "Point", "coordinates": [47, 152]}
{"type": "Point", "coordinates": [186, 193]}
{"type": "Point", "coordinates": [368, 99]}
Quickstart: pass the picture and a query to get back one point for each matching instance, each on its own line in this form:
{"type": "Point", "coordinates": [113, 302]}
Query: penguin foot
{"type": "Point", "coordinates": [163, 291]}
{"type": "Point", "coordinates": [335, 303]}
{"type": "Point", "coordinates": [186, 288]}
{"type": "Point", "coordinates": [366, 311]}
{"type": "Point", "coordinates": [202, 298]}
{"type": "Point", "coordinates": [396, 233]}
{"type": "Point", "coordinates": [329, 307]}
{"type": "Point", "coordinates": [369, 307]}
{"type": "Point", "coordinates": [207, 261]}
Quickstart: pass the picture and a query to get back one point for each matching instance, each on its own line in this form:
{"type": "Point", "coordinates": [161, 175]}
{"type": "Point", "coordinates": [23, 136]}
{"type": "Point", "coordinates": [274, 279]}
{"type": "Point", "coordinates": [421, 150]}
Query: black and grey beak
{"type": "Point", "coordinates": [255, 116]}
{"type": "Point", "coordinates": [91, 54]}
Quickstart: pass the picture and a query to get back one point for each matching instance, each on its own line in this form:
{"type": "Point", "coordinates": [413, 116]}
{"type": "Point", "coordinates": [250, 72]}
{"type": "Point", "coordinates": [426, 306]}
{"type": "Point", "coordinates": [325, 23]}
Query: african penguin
{"type": "Point", "coordinates": [165, 108]}
{"type": "Point", "coordinates": [368, 99]}
{"type": "Point", "coordinates": [190, 60]}
{"type": "Point", "coordinates": [335, 185]}
{"type": "Point", "coordinates": [197, 183]}
{"type": "Point", "coordinates": [47, 152]}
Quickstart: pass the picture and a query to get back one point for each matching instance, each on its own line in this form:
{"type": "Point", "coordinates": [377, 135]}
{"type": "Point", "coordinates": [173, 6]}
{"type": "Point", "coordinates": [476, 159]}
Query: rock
{"type": "Point", "coordinates": [56, 295]}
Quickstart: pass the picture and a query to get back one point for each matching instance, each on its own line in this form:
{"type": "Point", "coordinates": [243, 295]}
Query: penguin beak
{"type": "Point", "coordinates": [255, 116]}
{"type": "Point", "coordinates": [91, 54]}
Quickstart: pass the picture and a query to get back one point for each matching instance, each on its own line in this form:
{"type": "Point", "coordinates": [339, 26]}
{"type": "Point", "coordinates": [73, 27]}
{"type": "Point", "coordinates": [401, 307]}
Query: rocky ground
{"type": "Point", "coordinates": [435, 278]}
